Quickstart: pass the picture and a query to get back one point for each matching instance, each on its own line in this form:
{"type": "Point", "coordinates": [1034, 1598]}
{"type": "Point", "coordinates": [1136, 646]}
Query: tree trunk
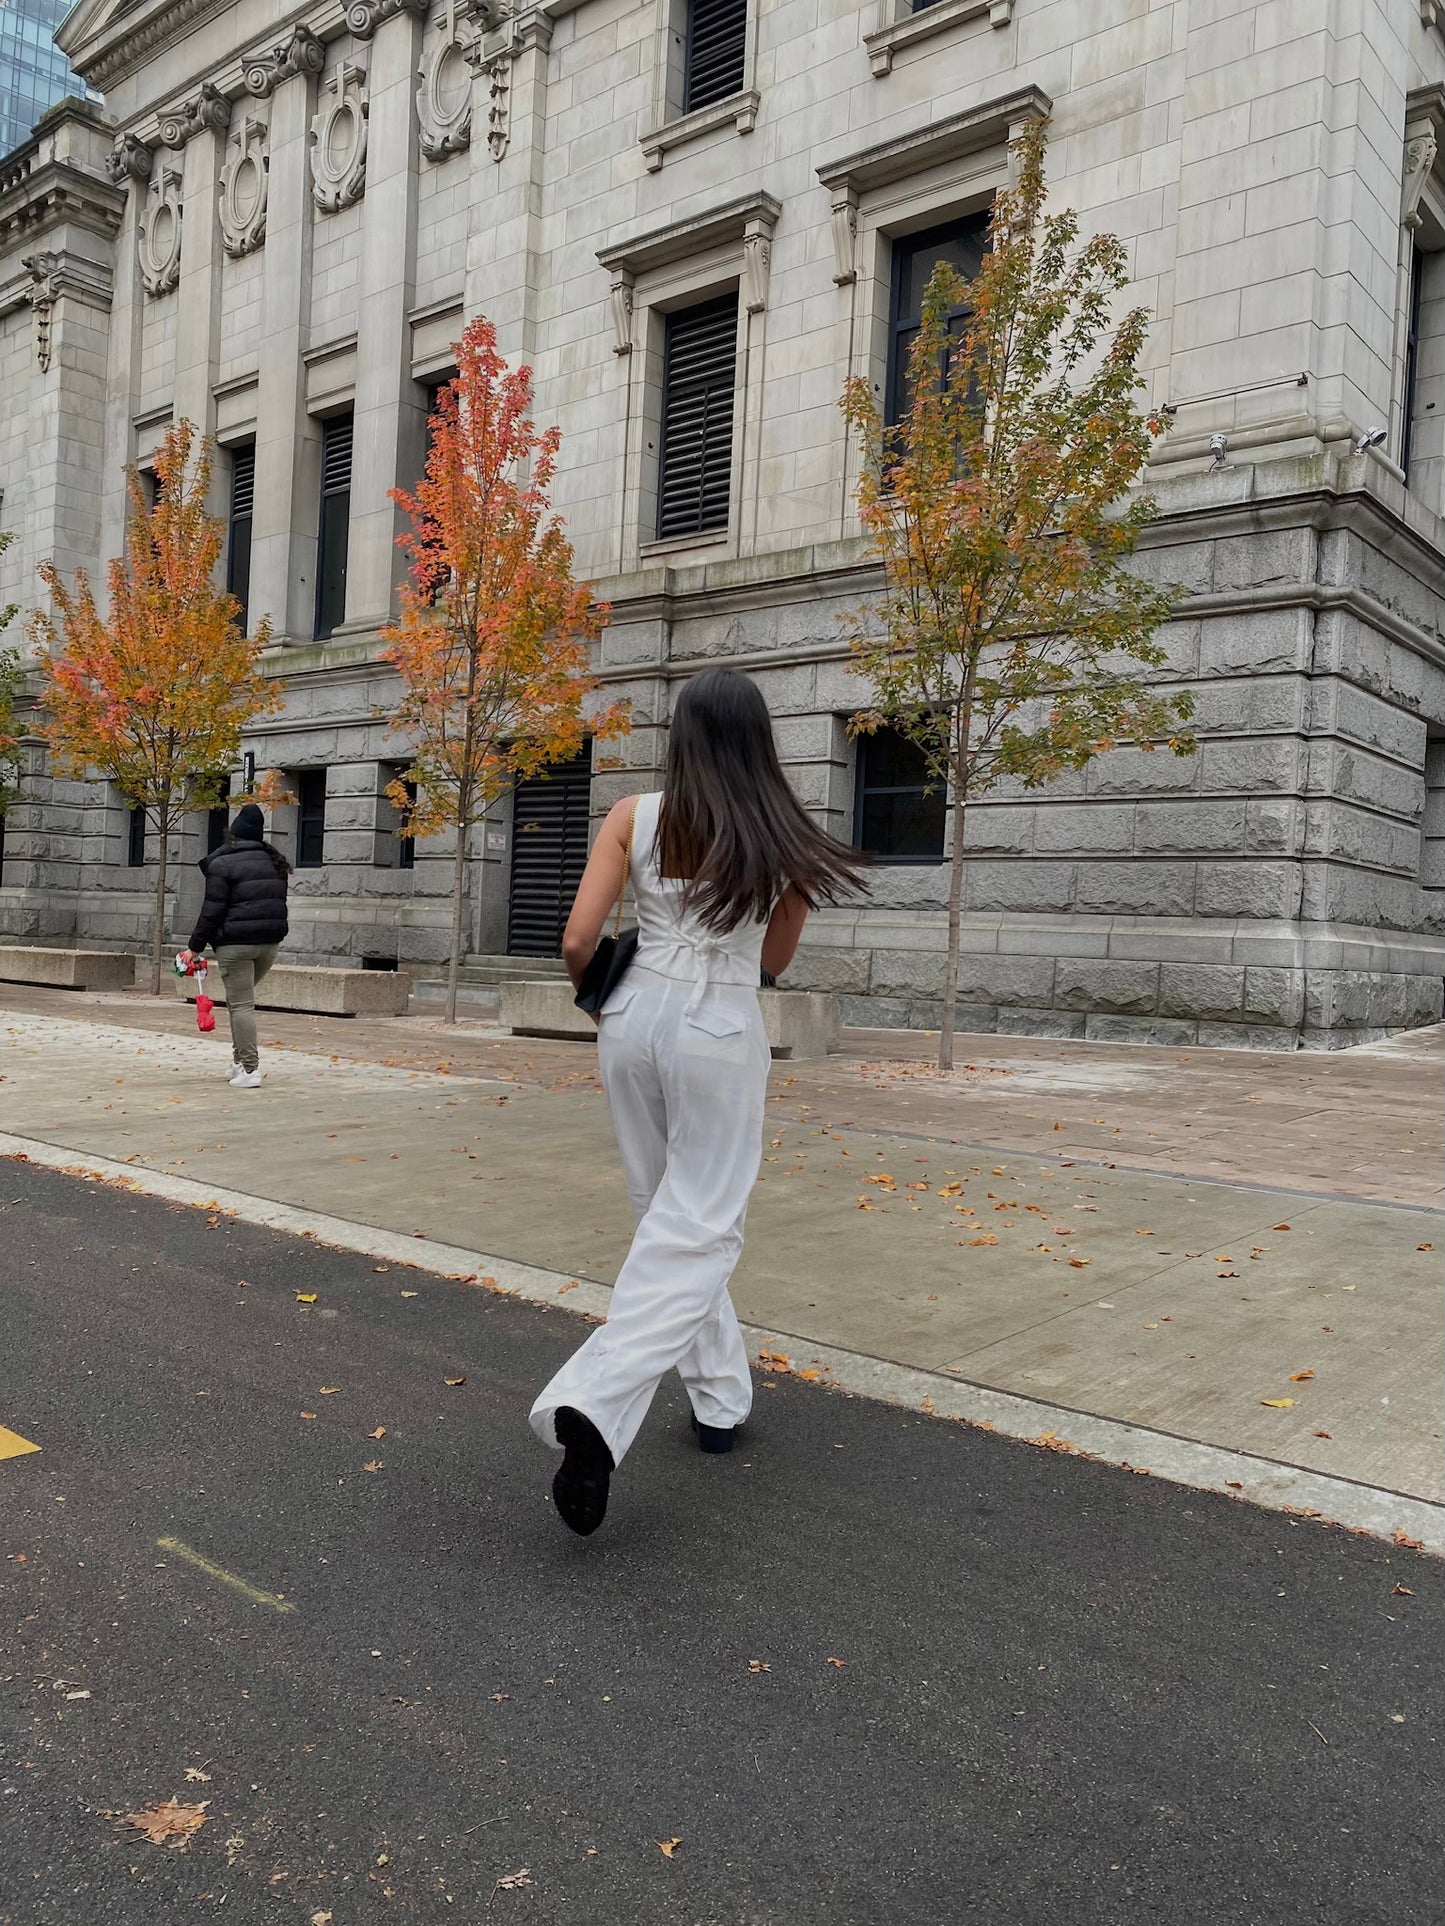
{"type": "Point", "coordinates": [955, 915]}
{"type": "Point", "coordinates": [459, 881]}
{"type": "Point", "coordinates": [158, 932]}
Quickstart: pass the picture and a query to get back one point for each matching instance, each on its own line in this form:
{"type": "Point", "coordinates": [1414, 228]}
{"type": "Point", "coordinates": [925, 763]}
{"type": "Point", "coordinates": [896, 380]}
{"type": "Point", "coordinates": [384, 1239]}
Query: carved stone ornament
{"type": "Point", "coordinates": [303, 53]}
{"type": "Point", "coordinates": [499, 105]}
{"type": "Point", "coordinates": [54, 274]}
{"type": "Point", "coordinates": [444, 98]}
{"type": "Point", "coordinates": [129, 160]}
{"type": "Point", "coordinates": [338, 140]}
{"type": "Point", "coordinates": [44, 293]}
{"type": "Point", "coordinates": [160, 230]}
{"type": "Point", "coordinates": [757, 257]}
{"type": "Point", "coordinates": [845, 236]}
{"type": "Point", "coordinates": [363, 17]}
{"type": "Point", "coordinates": [622, 312]}
{"type": "Point", "coordinates": [1420, 151]}
{"type": "Point", "coordinates": [245, 181]}
{"type": "Point", "coordinates": [210, 108]}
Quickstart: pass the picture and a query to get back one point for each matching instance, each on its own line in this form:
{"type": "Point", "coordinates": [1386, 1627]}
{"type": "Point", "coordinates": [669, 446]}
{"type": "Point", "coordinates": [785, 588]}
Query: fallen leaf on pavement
{"type": "Point", "coordinates": [839, 1662]}
{"type": "Point", "coordinates": [1279, 1226]}
{"type": "Point", "coordinates": [197, 1777]}
{"type": "Point", "coordinates": [320, 1919]}
{"type": "Point", "coordinates": [375, 1465]}
{"type": "Point", "coordinates": [1079, 1263]}
{"type": "Point", "coordinates": [168, 1822]}
{"type": "Point", "coordinates": [1146, 1233]}
{"type": "Point", "coordinates": [380, 1432]}
{"type": "Point", "coordinates": [456, 1381]}
{"type": "Point", "coordinates": [327, 1390]}
{"type": "Point", "coordinates": [1424, 1247]}
{"type": "Point", "coordinates": [306, 1297]}
{"type": "Point", "coordinates": [1300, 1377]}
{"type": "Point", "coordinates": [1324, 1434]}
{"type": "Point", "coordinates": [759, 1665]}
{"type": "Point", "coordinates": [411, 1293]}
{"type": "Point", "coordinates": [667, 1847]}
{"type": "Point", "coordinates": [1279, 1404]}
{"type": "Point", "coordinates": [1402, 1591]}
{"type": "Point", "coordinates": [511, 1881]}
{"type": "Point", "coordinates": [308, 1414]}
{"type": "Point", "coordinates": [989, 1238]}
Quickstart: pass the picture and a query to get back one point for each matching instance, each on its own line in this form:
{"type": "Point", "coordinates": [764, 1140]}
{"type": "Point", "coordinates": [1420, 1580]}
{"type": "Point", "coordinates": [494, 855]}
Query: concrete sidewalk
{"type": "Point", "coordinates": [1181, 1304]}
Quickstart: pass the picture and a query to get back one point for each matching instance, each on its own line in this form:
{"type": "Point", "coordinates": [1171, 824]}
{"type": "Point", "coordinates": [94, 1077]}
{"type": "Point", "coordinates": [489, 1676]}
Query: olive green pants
{"type": "Point", "coordinates": [242, 967]}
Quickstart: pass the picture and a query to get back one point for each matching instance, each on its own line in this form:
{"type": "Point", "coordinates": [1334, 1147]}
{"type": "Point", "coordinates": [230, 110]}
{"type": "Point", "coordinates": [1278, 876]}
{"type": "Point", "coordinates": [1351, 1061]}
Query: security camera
{"type": "Point", "coordinates": [1372, 438]}
{"type": "Point", "coordinates": [1219, 448]}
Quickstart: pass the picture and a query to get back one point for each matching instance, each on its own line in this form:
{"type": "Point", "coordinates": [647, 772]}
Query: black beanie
{"type": "Point", "coordinates": [248, 825]}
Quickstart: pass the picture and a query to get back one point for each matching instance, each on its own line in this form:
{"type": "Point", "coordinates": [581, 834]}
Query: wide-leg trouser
{"type": "Point", "coordinates": [687, 1096]}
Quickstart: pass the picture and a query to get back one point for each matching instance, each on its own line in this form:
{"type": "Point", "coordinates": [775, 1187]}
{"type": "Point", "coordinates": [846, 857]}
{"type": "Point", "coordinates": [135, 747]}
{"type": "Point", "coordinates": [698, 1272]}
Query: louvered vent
{"type": "Point", "coordinates": [243, 481]}
{"type": "Point", "coordinates": [699, 374]}
{"type": "Point", "coordinates": [716, 41]}
{"type": "Point", "coordinates": [549, 853]}
{"type": "Point", "coordinates": [336, 455]}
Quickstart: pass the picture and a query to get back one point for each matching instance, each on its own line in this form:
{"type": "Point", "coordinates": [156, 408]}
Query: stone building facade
{"type": "Point", "coordinates": [694, 218]}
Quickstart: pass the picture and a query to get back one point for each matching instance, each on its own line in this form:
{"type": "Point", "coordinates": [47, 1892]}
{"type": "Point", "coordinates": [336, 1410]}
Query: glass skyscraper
{"type": "Point", "coordinates": [33, 71]}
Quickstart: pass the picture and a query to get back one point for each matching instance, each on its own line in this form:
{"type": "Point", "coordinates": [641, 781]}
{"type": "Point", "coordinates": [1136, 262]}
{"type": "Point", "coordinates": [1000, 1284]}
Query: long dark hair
{"type": "Point", "coordinates": [730, 823]}
{"type": "Point", "coordinates": [282, 867]}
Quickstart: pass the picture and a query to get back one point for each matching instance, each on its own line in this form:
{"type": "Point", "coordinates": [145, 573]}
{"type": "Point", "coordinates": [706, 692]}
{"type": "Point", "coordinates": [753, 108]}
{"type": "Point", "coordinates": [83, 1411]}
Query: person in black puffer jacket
{"type": "Point", "coordinates": [243, 917]}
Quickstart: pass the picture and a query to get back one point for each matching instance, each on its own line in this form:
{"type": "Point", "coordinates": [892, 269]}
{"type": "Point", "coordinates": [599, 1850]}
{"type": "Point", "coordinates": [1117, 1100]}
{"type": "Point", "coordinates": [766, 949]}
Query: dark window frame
{"type": "Point", "coordinates": [715, 52]}
{"type": "Point", "coordinates": [678, 390]}
{"type": "Point", "coordinates": [333, 524]}
{"type": "Point", "coordinates": [903, 325]}
{"type": "Point", "coordinates": [406, 845]}
{"type": "Point", "coordinates": [218, 815]}
{"type": "Point", "coordinates": [135, 836]}
{"type": "Point", "coordinates": [923, 790]}
{"type": "Point", "coordinates": [311, 818]}
{"type": "Point", "coordinates": [238, 545]}
{"type": "Point", "coordinates": [1414, 302]}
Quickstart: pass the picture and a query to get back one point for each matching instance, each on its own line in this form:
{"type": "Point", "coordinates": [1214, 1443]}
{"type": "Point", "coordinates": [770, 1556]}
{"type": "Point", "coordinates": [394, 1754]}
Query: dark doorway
{"type": "Point", "coordinates": [549, 853]}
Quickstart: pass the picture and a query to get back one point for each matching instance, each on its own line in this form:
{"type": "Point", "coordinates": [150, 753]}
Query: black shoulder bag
{"type": "Point", "coordinates": [613, 957]}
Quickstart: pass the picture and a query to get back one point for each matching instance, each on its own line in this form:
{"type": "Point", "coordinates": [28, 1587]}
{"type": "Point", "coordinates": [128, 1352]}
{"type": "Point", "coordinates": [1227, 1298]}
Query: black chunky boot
{"type": "Point", "coordinates": [714, 1438]}
{"type": "Point", "coordinates": [579, 1489]}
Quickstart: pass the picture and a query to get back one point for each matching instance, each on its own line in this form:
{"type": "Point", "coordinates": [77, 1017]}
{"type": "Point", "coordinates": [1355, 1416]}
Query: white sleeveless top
{"type": "Point", "coordinates": [672, 941]}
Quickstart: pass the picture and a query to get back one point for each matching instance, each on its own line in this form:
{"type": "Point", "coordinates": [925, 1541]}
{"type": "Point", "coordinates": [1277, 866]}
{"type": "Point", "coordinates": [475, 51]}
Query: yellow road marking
{"type": "Point", "coordinates": [223, 1577]}
{"type": "Point", "coordinates": [12, 1445]}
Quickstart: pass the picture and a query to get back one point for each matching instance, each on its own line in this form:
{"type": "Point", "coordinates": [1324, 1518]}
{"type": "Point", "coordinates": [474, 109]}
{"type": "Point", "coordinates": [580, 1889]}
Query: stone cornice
{"type": "Point", "coordinates": [679, 239]}
{"type": "Point", "coordinates": [50, 193]}
{"type": "Point", "coordinates": [128, 42]}
{"type": "Point", "coordinates": [990, 124]}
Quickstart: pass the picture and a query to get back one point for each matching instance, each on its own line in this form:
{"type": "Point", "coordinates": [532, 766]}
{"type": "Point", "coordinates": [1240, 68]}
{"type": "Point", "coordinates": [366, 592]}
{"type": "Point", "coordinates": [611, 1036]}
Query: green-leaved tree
{"type": "Point", "coordinates": [1011, 640]}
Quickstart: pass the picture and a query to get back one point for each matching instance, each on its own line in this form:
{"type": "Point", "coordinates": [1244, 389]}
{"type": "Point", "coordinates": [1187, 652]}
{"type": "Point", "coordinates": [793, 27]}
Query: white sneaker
{"type": "Point", "coordinates": [248, 1080]}
{"type": "Point", "coordinates": [234, 1072]}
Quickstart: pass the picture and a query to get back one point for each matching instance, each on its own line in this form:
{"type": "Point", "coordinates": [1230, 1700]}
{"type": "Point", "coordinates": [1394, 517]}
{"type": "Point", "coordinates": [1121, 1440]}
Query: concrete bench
{"type": "Point", "coordinates": [799, 1023]}
{"type": "Point", "coordinates": [316, 990]}
{"type": "Point", "coordinates": [66, 969]}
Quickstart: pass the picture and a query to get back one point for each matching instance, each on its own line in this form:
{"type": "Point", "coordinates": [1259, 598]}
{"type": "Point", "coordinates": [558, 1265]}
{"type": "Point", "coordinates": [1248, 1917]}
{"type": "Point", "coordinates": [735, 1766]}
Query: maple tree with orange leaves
{"type": "Point", "coordinates": [155, 694]}
{"type": "Point", "coordinates": [1011, 641]}
{"type": "Point", "coordinates": [491, 643]}
{"type": "Point", "coordinates": [11, 679]}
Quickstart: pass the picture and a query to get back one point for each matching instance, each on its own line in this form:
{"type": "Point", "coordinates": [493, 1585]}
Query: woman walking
{"type": "Point", "coordinates": [244, 917]}
{"type": "Point", "coordinates": [725, 865]}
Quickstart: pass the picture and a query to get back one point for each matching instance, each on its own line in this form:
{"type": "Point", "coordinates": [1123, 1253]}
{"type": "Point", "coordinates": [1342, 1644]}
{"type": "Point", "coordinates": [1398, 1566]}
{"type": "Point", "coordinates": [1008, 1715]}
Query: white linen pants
{"type": "Point", "coordinates": [687, 1095]}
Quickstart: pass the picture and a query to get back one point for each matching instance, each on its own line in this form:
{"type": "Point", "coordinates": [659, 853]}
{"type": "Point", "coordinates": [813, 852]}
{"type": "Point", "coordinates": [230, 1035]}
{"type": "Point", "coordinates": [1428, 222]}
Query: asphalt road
{"type": "Point", "coordinates": [1066, 1693]}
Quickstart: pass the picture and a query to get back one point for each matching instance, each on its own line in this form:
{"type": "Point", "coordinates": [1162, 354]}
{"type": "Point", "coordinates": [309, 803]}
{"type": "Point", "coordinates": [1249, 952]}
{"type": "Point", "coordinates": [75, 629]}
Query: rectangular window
{"type": "Point", "coordinates": [218, 817]}
{"type": "Point", "coordinates": [334, 524]}
{"type": "Point", "coordinates": [238, 552]}
{"type": "Point", "coordinates": [1412, 358]}
{"type": "Point", "coordinates": [135, 837]}
{"type": "Point", "coordinates": [699, 374]}
{"type": "Point", "coordinates": [310, 818]}
{"type": "Point", "coordinates": [717, 34]}
{"type": "Point", "coordinates": [406, 845]}
{"type": "Point", "coordinates": [961, 244]}
{"type": "Point", "coordinates": [899, 815]}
